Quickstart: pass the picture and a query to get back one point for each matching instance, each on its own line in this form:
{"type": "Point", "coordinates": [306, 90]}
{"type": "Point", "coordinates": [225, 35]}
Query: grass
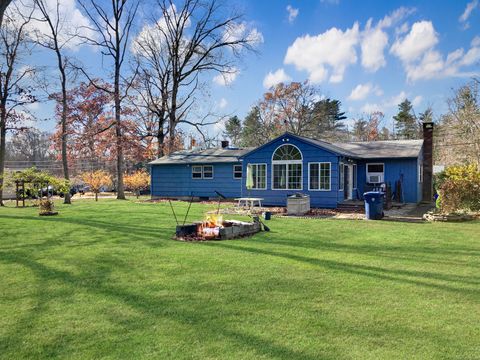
{"type": "Point", "coordinates": [105, 280]}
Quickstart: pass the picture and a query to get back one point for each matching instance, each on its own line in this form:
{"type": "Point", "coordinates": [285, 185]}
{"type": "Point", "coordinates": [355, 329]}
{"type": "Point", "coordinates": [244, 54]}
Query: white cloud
{"type": "Point", "coordinates": [373, 44]}
{"type": "Point", "coordinates": [222, 104]}
{"type": "Point", "coordinates": [237, 31]}
{"type": "Point", "coordinates": [361, 91]}
{"type": "Point", "coordinates": [292, 13]}
{"type": "Point", "coordinates": [371, 108]}
{"type": "Point", "coordinates": [421, 38]}
{"type": "Point", "coordinates": [467, 12]}
{"type": "Point", "coordinates": [226, 78]}
{"type": "Point", "coordinates": [375, 38]}
{"type": "Point", "coordinates": [71, 21]}
{"type": "Point", "coordinates": [332, 51]}
{"type": "Point", "coordinates": [390, 103]}
{"type": "Point", "coordinates": [417, 100]}
{"type": "Point", "coordinates": [421, 60]}
{"type": "Point", "coordinates": [272, 79]}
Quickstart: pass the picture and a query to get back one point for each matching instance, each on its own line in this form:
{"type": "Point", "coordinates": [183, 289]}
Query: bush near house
{"type": "Point", "coordinates": [459, 188]}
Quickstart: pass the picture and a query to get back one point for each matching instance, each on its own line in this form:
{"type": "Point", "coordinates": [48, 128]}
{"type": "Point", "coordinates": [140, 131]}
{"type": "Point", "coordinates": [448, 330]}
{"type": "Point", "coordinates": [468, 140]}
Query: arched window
{"type": "Point", "coordinates": [287, 153]}
{"type": "Point", "coordinates": [287, 168]}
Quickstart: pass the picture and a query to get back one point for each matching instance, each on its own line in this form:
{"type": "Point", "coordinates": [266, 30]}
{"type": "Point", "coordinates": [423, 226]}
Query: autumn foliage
{"type": "Point", "coordinates": [137, 181]}
{"type": "Point", "coordinates": [459, 188]}
{"type": "Point", "coordinates": [96, 180]}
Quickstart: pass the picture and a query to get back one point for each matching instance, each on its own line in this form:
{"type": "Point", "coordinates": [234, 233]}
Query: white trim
{"type": "Point", "coordinates": [278, 147]}
{"type": "Point", "coordinates": [330, 181]}
{"type": "Point", "coordinates": [241, 172]}
{"type": "Point", "coordinates": [420, 173]}
{"type": "Point", "coordinates": [341, 175]}
{"type": "Point", "coordinates": [366, 172]}
{"type": "Point", "coordinates": [266, 175]}
{"type": "Point", "coordinates": [355, 176]}
{"type": "Point", "coordinates": [202, 177]}
{"type": "Point", "coordinates": [201, 172]}
{"type": "Point", "coordinates": [286, 162]}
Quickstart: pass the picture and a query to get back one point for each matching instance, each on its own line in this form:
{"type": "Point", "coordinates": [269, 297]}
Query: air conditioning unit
{"type": "Point", "coordinates": [375, 179]}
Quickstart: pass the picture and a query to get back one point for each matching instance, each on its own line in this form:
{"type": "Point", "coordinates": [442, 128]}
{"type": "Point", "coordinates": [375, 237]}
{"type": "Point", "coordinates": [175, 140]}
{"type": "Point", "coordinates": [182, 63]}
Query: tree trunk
{"type": "Point", "coordinates": [160, 143]}
{"type": "Point", "coordinates": [67, 199]}
{"type": "Point", "coordinates": [118, 125]}
{"type": "Point", "coordinates": [3, 143]}
{"type": "Point", "coordinates": [3, 6]}
{"type": "Point", "coordinates": [96, 196]}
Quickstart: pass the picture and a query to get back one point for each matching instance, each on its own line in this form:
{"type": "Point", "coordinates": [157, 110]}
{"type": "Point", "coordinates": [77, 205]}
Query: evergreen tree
{"type": "Point", "coordinates": [253, 132]}
{"type": "Point", "coordinates": [328, 118]}
{"type": "Point", "coordinates": [233, 130]}
{"type": "Point", "coordinates": [360, 131]}
{"type": "Point", "coordinates": [406, 121]}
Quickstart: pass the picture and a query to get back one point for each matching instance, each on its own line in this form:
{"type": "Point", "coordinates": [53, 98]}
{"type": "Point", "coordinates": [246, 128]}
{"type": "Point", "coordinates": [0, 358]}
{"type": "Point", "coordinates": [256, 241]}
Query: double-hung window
{"type": "Point", "coordinates": [202, 172]}
{"type": "Point", "coordinates": [287, 168]}
{"type": "Point", "coordinates": [258, 174]}
{"type": "Point", "coordinates": [319, 176]}
{"type": "Point", "coordinates": [237, 171]}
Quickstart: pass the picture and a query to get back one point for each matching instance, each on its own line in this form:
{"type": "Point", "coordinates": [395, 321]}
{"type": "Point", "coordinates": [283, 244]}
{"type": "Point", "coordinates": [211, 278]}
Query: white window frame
{"type": "Point", "coordinates": [420, 173]}
{"type": "Point", "coordinates": [354, 176]}
{"type": "Point", "coordinates": [287, 162]}
{"type": "Point", "coordinates": [238, 171]}
{"type": "Point", "coordinates": [266, 170]}
{"type": "Point", "coordinates": [197, 172]}
{"type": "Point", "coordinates": [341, 177]}
{"type": "Point", "coordinates": [330, 180]}
{"type": "Point", "coordinates": [202, 172]}
{"type": "Point", "coordinates": [368, 174]}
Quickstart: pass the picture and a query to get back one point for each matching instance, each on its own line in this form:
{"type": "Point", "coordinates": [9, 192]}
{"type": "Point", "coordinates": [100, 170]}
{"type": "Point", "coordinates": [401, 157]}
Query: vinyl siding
{"type": "Point", "coordinates": [176, 181]}
{"type": "Point", "coordinates": [310, 153]}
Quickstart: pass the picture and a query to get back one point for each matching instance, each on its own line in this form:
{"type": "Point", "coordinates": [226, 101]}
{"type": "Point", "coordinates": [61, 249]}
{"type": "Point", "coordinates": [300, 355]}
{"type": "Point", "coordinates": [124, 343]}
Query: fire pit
{"type": "Point", "coordinates": [215, 228]}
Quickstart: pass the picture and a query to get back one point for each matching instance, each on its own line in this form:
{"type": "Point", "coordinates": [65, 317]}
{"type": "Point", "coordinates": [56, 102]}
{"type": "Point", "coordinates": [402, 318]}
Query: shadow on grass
{"type": "Point", "coordinates": [158, 307]}
{"type": "Point", "coordinates": [395, 275]}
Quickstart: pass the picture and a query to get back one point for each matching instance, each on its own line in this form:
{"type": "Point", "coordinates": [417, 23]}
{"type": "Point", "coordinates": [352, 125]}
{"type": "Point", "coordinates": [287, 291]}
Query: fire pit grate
{"type": "Point", "coordinates": [215, 228]}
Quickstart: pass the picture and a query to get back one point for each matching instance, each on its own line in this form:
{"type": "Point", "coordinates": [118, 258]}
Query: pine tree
{"type": "Point", "coordinates": [406, 121]}
{"type": "Point", "coordinates": [233, 130]}
{"type": "Point", "coordinates": [252, 132]}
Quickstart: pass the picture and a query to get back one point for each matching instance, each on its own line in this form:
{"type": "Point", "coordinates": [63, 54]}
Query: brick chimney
{"type": "Point", "coordinates": [225, 144]}
{"type": "Point", "coordinates": [427, 189]}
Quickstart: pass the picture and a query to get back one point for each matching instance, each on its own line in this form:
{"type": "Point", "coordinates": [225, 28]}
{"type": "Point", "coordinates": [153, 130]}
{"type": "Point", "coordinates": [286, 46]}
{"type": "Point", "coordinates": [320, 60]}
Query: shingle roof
{"type": "Point", "coordinates": [383, 149]}
{"type": "Point", "coordinates": [202, 156]}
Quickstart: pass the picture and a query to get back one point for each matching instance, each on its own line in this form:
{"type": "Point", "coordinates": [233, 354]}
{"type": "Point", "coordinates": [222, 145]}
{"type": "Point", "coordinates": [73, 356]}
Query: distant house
{"type": "Point", "coordinates": [331, 173]}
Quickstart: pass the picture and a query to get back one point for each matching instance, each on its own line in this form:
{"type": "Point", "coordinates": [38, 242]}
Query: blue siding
{"type": "Point", "coordinates": [310, 153]}
{"type": "Point", "coordinates": [395, 169]}
{"type": "Point", "coordinates": [176, 181]}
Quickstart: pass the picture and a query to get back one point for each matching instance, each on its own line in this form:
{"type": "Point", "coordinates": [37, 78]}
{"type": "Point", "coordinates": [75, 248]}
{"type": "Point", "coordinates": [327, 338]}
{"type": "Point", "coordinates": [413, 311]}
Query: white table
{"type": "Point", "coordinates": [249, 201]}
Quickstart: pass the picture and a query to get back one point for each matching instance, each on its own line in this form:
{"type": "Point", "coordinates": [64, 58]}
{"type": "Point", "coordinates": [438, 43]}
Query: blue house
{"type": "Point", "coordinates": [330, 173]}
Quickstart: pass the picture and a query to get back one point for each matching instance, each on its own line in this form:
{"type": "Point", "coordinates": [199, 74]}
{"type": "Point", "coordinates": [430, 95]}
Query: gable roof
{"type": "Point", "coordinates": [318, 143]}
{"type": "Point", "coordinates": [201, 156]}
{"type": "Point", "coordinates": [384, 149]}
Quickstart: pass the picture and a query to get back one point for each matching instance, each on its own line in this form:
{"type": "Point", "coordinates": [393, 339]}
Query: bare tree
{"type": "Point", "coordinates": [14, 94]}
{"type": "Point", "coordinates": [113, 25]}
{"type": "Point", "coordinates": [56, 40]}
{"type": "Point", "coordinates": [3, 6]}
{"type": "Point", "coordinates": [186, 42]}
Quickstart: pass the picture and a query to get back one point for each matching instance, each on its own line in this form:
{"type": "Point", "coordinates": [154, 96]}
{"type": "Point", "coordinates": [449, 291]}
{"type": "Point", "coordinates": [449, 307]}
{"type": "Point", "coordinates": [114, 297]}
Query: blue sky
{"type": "Point", "coordinates": [368, 54]}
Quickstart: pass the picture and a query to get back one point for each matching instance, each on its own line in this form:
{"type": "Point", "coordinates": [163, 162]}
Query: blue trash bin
{"type": "Point", "coordinates": [374, 204]}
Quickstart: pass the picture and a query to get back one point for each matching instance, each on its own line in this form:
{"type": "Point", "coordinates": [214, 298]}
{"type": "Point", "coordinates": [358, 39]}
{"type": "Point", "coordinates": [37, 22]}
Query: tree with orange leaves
{"type": "Point", "coordinates": [139, 180]}
{"type": "Point", "coordinates": [96, 180]}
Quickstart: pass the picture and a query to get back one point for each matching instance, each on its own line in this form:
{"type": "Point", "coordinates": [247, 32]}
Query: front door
{"type": "Point", "coordinates": [346, 185]}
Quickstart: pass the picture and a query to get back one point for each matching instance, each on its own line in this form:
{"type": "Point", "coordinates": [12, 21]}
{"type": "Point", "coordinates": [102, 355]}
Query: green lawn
{"type": "Point", "coordinates": [105, 280]}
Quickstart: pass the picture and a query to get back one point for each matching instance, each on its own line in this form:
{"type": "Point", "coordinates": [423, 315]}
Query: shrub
{"type": "Point", "coordinates": [459, 188]}
{"type": "Point", "coordinates": [46, 207]}
{"type": "Point", "coordinates": [96, 180]}
{"type": "Point", "coordinates": [137, 181]}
